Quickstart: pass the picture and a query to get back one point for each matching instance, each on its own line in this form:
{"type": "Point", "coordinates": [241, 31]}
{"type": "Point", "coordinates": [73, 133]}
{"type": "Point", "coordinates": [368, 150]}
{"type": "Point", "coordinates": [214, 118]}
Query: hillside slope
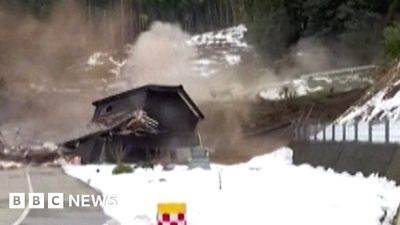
{"type": "Point", "coordinates": [380, 102]}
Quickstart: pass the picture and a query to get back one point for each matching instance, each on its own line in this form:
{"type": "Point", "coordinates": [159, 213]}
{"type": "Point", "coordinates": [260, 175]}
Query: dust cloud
{"type": "Point", "coordinates": [312, 54]}
{"type": "Point", "coordinates": [161, 55]}
{"type": "Point", "coordinates": [38, 63]}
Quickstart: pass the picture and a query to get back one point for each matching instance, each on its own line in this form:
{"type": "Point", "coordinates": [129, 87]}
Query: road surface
{"type": "Point", "coordinates": [47, 180]}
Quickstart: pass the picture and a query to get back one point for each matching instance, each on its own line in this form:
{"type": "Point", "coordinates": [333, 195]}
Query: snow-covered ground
{"type": "Point", "coordinates": [266, 190]}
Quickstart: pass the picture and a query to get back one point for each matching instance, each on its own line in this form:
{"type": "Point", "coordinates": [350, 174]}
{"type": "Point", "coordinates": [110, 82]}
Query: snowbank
{"type": "Point", "coordinates": [265, 190]}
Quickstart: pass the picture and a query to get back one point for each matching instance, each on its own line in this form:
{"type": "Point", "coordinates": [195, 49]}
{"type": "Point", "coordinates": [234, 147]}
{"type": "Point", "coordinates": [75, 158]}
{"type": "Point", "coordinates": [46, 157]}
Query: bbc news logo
{"type": "Point", "coordinates": [56, 200]}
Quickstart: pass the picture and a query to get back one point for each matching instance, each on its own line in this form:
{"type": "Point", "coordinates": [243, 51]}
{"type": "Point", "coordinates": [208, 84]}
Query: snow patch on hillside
{"type": "Point", "coordinates": [266, 190]}
{"type": "Point", "coordinates": [232, 36]}
{"type": "Point", "coordinates": [297, 87]}
{"type": "Point", "coordinates": [384, 104]}
{"type": "Point", "coordinates": [104, 58]}
{"type": "Point", "coordinates": [304, 85]}
{"type": "Point", "coordinates": [216, 51]}
{"type": "Point", "coordinates": [220, 49]}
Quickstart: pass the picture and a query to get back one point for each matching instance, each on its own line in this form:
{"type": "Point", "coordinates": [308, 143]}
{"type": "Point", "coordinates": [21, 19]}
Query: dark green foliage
{"type": "Point", "coordinates": [274, 25]}
{"type": "Point", "coordinates": [145, 165]}
{"type": "Point", "coordinates": [271, 28]}
{"type": "Point", "coordinates": [391, 42]}
{"type": "Point", "coordinates": [119, 169]}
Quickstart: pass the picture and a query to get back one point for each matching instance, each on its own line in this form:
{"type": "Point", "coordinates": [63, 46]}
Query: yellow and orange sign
{"type": "Point", "coordinates": [171, 214]}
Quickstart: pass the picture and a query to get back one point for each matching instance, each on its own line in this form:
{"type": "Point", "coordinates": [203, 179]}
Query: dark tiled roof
{"type": "Point", "coordinates": [160, 88]}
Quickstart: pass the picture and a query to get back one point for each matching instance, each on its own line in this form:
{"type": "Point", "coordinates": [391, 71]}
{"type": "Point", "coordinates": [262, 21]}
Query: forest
{"type": "Point", "coordinates": [274, 25]}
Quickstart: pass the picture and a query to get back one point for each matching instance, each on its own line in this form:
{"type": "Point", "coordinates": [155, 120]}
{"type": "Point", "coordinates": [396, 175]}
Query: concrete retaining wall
{"type": "Point", "coordinates": [352, 157]}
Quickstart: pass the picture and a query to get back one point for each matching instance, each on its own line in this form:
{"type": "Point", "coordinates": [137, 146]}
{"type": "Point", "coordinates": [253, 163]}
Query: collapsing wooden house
{"type": "Point", "coordinates": [149, 123]}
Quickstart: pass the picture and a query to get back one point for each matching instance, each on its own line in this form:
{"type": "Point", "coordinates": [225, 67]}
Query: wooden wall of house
{"type": "Point", "coordinates": [85, 150]}
{"type": "Point", "coordinates": [177, 127]}
{"type": "Point", "coordinates": [177, 121]}
{"type": "Point", "coordinates": [135, 149]}
{"type": "Point", "coordinates": [171, 111]}
{"type": "Point", "coordinates": [125, 104]}
{"type": "Point", "coordinates": [132, 150]}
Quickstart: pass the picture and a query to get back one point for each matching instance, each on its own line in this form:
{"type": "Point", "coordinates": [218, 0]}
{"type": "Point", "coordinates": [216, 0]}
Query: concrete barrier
{"type": "Point", "coordinates": [393, 171]}
{"type": "Point", "coordinates": [352, 157]}
{"type": "Point", "coordinates": [365, 158]}
{"type": "Point", "coordinates": [316, 155]}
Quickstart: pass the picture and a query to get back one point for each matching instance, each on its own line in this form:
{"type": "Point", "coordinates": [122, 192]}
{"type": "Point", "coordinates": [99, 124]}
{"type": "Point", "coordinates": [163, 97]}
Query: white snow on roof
{"type": "Point", "coordinates": [266, 190]}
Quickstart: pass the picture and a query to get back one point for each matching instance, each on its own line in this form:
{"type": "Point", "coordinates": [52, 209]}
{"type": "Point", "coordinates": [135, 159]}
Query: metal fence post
{"type": "Point", "coordinates": [333, 132]}
{"type": "Point", "coordinates": [369, 131]}
{"type": "Point", "coordinates": [356, 131]}
{"type": "Point", "coordinates": [324, 132]}
{"type": "Point", "coordinates": [387, 130]}
{"type": "Point", "coordinates": [344, 131]}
